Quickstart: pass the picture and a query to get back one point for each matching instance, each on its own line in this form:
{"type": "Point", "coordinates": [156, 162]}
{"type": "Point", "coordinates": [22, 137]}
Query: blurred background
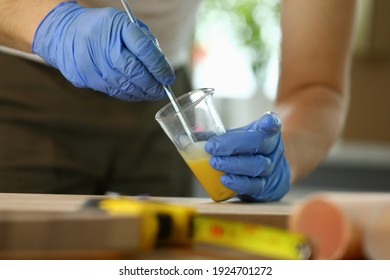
{"type": "Point", "coordinates": [236, 51]}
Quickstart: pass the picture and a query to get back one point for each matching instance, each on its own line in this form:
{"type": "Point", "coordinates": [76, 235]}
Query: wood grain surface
{"type": "Point", "coordinates": [46, 226]}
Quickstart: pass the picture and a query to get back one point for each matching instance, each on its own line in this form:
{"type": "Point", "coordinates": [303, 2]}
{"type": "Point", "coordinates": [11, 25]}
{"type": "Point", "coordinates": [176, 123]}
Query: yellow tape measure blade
{"type": "Point", "coordinates": [265, 241]}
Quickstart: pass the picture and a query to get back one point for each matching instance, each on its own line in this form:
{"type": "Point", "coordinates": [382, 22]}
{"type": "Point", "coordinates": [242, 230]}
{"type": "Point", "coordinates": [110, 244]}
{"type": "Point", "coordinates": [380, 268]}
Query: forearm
{"type": "Point", "coordinates": [19, 19]}
{"type": "Point", "coordinates": [310, 130]}
{"type": "Point", "coordinates": [313, 90]}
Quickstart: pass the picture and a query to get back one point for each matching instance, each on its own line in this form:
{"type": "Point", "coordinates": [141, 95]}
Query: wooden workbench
{"type": "Point", "coordinates": [25, 213]}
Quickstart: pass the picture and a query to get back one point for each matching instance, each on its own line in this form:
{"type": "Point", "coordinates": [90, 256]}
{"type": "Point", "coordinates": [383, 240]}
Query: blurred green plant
{"type": "Point", "coordinates": [254, 23]}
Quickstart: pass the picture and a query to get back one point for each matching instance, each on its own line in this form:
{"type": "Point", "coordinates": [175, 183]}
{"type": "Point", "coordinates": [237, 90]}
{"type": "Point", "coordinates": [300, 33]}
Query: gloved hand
{"type": "Point", "coordinates": [101, 49]}
{"type": "Point", "coordinates": [253, 159]}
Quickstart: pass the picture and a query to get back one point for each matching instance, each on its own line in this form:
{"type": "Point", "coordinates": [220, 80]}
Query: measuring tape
{"type": "Point", "coordinates": [252, 238]}
{"type": "Point", "coordinates": [181, 225]}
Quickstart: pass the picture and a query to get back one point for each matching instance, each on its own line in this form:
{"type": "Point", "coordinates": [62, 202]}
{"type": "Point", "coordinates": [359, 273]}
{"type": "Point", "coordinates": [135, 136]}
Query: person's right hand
{"type": "Point", "coordinates": [103, 50]}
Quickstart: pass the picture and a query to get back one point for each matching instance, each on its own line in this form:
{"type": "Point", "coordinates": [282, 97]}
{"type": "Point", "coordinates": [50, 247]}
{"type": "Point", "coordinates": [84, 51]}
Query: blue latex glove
{"type": "Point", "coordinates": [253, 159]}
{"type": "Point", "coordinates": [101, 49]}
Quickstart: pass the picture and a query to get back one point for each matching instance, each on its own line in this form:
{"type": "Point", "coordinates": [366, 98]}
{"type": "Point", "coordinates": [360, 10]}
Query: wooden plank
{"type": "Point", "coordinates": [56, 233]}
{"type": "Point", "coordinates": [42, 202]}
{"type": "Point", "coordinates": [272, 213]}
{"type": "Point", "coordinates": [36, 226]}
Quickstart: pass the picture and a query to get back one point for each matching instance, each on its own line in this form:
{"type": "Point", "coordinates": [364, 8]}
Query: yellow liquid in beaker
{"type": "Point", "coordinates": [198, 161]}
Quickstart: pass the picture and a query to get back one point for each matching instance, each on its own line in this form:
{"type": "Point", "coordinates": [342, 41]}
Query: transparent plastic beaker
{"type": "Point", "coordinates": [202, 121]}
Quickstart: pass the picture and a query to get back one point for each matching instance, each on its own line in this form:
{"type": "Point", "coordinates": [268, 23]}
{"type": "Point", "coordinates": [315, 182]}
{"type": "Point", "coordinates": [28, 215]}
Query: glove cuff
{"type": "Point", "coordinates": [48, 32]}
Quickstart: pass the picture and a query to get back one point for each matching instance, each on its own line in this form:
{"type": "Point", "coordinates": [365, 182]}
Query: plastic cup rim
{"type": "Point", "coordinates": [206, 91]}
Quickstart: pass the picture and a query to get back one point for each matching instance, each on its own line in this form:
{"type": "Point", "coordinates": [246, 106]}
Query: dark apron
{"type": "Point", "coordinates": [56, 138]}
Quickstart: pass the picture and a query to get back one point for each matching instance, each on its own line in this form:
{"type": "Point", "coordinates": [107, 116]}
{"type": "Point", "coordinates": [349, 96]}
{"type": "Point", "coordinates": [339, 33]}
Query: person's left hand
{"type": "Point", "coordinates": [253, 159]}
